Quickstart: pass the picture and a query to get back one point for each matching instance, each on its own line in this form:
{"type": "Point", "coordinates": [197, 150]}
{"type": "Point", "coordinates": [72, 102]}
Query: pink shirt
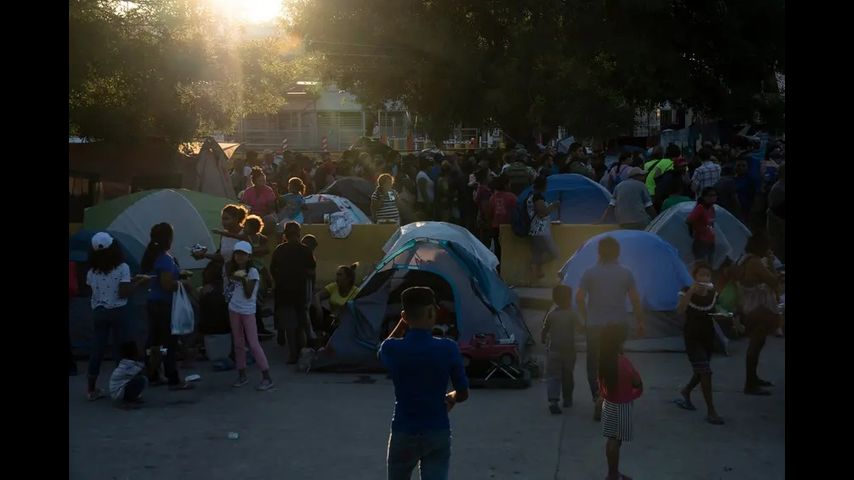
{"type": "Point", "coordinates": [626, 376]}
{"type": "Point", "coordinates": [260, 200]}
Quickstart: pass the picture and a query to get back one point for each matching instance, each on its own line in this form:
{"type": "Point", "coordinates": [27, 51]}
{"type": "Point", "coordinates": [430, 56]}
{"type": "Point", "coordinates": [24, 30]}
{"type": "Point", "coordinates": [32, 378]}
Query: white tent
{"type": "Point", "coordinates": [442, 231]}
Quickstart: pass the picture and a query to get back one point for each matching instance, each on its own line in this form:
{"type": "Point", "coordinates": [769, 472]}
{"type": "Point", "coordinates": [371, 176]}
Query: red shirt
{"type": "Point", "coordinates": [502, 204]}
{"type": "Point", "coordinates": [702, 222]}
{"type": "Point", "coordinates": [260, 200]}
{"type": "Point", "coordinates": [626, 377]}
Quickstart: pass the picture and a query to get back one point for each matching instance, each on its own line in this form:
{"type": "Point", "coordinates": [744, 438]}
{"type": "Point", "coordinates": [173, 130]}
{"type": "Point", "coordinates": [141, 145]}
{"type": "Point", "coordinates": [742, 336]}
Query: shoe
{"type": "Point", "coordinates": [241, 381]}
{"type": "Point", "coordinates": [264, 385]}
{"type": "Point", "coordinates": [763, 383]}
{"type": "Point", "coordinates": [554, 408]}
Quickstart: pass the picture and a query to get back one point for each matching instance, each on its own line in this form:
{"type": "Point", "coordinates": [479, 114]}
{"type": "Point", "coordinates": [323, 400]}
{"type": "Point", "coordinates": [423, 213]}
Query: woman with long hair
{"type": "Point", "coordinates": [158, 262]}
{"type": "Point", "coordinates": [111, 284]}
{"type": "Point", "coordinates": [338, 293]}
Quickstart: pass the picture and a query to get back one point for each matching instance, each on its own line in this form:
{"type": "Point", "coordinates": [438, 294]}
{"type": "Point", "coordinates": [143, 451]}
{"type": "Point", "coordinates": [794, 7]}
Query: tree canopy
{"type": "Point", "coordinates": [528, 65]}
{"type": "Point", "coordinates": [170, 69]}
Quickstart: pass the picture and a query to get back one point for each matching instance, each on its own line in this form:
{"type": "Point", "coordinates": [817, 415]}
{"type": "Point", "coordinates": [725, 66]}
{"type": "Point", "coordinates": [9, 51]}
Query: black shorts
{"type": "Point", "coordinates": [699, 352]}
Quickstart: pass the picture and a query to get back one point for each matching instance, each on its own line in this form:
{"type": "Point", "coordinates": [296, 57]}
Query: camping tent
{"type": "Point", "coordinates": [659, 272]}
{"type": "Point", "coordinates": [192, 214]}
{"type": "Point", "coordinates": [442, 231]}
{"type": "Point", "coordinates": [581, 200]}
{"type": "Point", "coordinates": [356, 189]}
{"type": "Point", "coordinates": [730, 234]}
{"type": "Point", "coordinates": [482, 303]}
{"type": "Point", "coordinates": [81, 242]}
{"type": "Point", "coordinates": [320, 204]}
{"type": "Point", "coordinates": [206, 167]}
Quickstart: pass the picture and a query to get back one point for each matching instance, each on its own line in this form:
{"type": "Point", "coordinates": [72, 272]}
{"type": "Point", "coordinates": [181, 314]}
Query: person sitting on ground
{"type": "Point", "coordinates": [697, 302]}
{"type": "Point", "coordinates": [128, 380]}
{"type": "Point", "coordinates": [559, 331]}
{"type": "Point", "coordinates": [620, 385]}
{"type": "Point", "coordinates": [338, 293]}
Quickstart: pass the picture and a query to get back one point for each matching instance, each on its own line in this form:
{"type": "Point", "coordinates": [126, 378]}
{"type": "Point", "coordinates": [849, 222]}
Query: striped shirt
{"type": "Point", "coordinates": [388, 212]}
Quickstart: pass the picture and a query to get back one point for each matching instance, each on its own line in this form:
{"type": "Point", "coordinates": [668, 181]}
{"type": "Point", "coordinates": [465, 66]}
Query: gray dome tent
{"type": "Point", "coordinates": [482, 303]}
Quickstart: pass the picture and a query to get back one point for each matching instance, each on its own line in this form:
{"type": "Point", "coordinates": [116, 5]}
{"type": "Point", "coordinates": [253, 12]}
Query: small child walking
{"type": "Point", "coordinates": [559, 337]}
{"type": "Point", "coordinates": [619, 385]}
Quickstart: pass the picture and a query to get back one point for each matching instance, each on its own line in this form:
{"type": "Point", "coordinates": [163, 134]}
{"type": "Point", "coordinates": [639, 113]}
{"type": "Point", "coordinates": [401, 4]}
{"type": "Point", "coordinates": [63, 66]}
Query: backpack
{"type": "Point", "coordinates": [521, 222]}
{"type": "Point", "coordinates": [518, 177]}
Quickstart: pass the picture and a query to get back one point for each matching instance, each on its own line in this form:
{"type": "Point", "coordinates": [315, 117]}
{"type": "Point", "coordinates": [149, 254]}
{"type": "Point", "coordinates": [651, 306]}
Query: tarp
{"type": "Point", "coordinates": [482, 303]}
{"type": "Point", "coordinates": [582, 201]}
{"type": "Point", "coordinates": [442, 231]}
{"type": "Point", "coordinates": [730, 234]}
{"type": "Point", "coordinates": [356, 189]}
{"type": "Point", "coordinates": [659, 272]}
{"type": "Point", "coordinates": [192, 214]}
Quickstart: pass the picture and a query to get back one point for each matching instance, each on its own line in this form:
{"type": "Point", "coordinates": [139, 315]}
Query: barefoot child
{"type": "Point", "coordinates": [697, 302]}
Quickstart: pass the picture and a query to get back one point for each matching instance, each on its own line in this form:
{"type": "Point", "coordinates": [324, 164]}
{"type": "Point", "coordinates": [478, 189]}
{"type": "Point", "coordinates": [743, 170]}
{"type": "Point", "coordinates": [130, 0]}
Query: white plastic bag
{"type": "Point", "coordinates": [183, 320]}
{"type": "Point", "coordinates": [340, 225]}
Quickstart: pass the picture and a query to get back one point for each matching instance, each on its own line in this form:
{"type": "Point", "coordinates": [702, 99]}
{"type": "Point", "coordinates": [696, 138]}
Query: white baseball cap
{"type": "Point", "coordinates": [101, 240]}
{"type": "Point", "coordinates": [244, 247]}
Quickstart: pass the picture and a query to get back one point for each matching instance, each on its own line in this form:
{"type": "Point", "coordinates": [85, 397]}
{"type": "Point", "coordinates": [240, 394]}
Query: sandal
{"type": "Point", "coordinates": [715, 420]}
{"type": "Point", "coordinates": [95, 395]}
{"type": "Point", "coordinates": [684, 404]}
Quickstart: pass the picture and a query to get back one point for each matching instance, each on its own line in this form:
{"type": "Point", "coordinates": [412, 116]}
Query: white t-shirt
{"type": "Point", "coordinates": [540, 227]}
{"type": "Point", "coordinates": [105, 286]}
{"type": "Point", "coordinates": [239, 303]}
{"type": "Point", "coordinates": [430, 189]}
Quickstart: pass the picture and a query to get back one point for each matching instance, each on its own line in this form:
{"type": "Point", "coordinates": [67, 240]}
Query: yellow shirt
{"type": "Point", "coordinates": [336, 300]}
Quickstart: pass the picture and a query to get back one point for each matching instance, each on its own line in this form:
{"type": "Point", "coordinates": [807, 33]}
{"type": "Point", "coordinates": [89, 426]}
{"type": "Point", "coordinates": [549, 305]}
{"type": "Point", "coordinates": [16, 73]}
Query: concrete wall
{"type": "Point", "coordinates": [364, 245]}
{"type": "Point", "coordinates": [516, 251]}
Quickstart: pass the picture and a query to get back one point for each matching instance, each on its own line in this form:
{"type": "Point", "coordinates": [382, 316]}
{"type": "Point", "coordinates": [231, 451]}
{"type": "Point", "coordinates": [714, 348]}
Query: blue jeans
{"type": "Point", "coordinates": [107, 320]}
{"type": "Point", "coordinates": [431, 451]}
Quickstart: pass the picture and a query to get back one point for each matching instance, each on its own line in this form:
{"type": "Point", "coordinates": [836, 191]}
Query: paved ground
{"type": "Point", "coordinates": [327, 426]}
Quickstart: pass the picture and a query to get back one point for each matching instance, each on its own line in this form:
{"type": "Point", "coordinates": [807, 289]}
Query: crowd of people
{"type": "Point", "coordinates": [479, 189]}
{"type": "Point", "coordinates": [251, 267]}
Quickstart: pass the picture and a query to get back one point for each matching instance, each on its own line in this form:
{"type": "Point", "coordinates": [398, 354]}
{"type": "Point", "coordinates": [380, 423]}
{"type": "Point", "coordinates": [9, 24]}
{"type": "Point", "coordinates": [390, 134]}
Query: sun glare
{"type": "Point", "coordinates": [252, 11]}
